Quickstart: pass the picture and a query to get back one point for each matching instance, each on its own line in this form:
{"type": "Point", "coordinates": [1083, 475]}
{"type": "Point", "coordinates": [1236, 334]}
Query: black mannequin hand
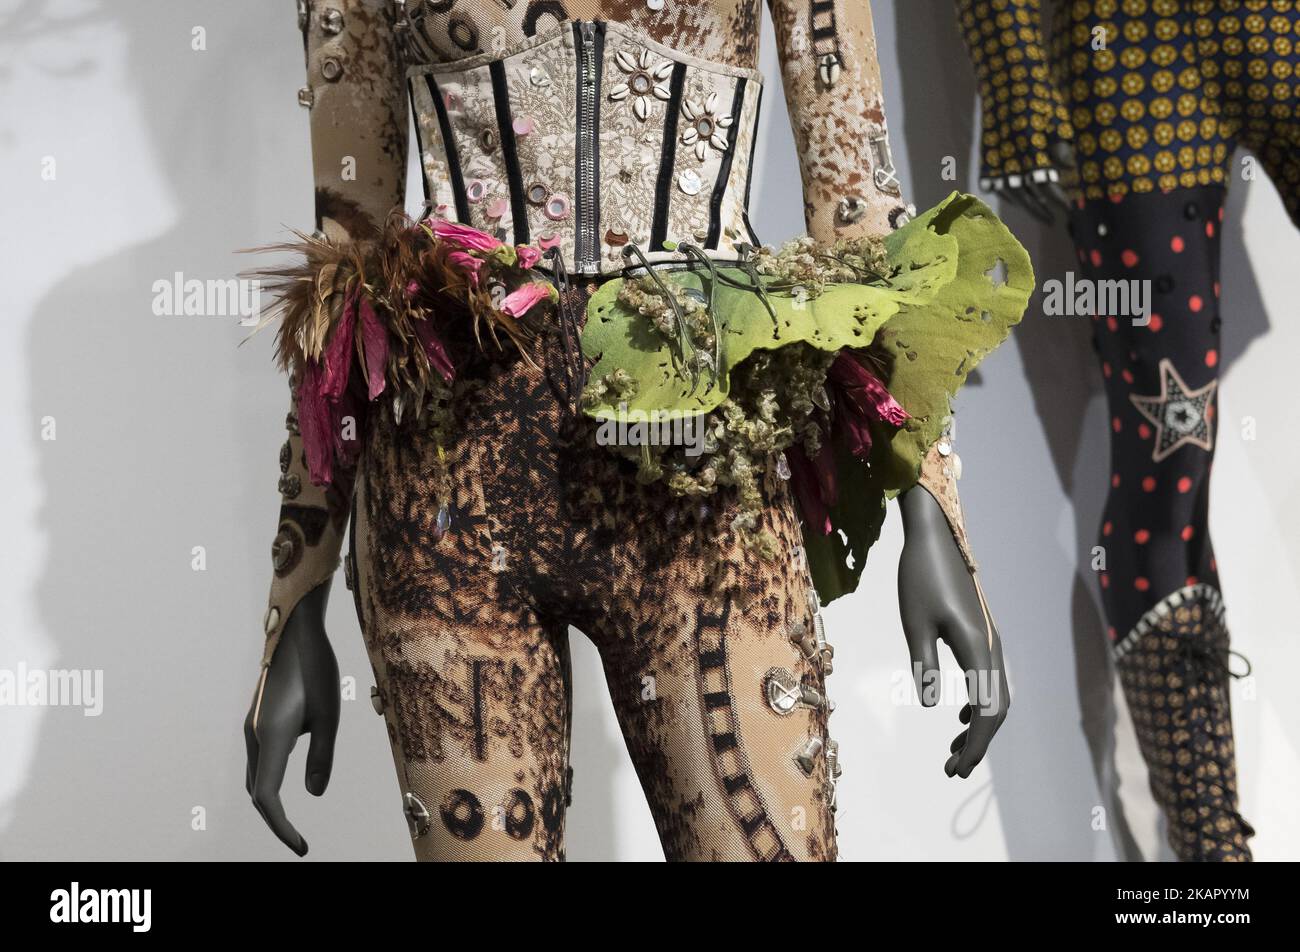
{"type": "Point", "coordinates": [299, 695]}
{"type": "Point", "coordinates": [937, 601]}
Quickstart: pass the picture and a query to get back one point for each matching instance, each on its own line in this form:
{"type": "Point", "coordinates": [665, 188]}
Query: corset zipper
{"type": "Point", "coordinates": [585, 252]}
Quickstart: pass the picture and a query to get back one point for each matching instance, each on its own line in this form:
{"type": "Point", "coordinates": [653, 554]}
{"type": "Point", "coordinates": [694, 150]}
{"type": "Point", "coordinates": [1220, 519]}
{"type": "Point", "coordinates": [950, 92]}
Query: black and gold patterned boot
{"type": "Point", "coordinates": [1174, 667]}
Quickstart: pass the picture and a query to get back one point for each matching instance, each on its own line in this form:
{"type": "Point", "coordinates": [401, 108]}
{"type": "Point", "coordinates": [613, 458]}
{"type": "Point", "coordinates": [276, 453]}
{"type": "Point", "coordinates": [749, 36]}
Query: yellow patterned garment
{"type": "Point", "coordinates": [1159, 92]}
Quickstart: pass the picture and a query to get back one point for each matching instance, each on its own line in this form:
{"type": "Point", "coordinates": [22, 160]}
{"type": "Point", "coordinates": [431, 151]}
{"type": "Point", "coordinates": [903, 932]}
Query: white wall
{"type": "Point", "coordinates": [169, 158]}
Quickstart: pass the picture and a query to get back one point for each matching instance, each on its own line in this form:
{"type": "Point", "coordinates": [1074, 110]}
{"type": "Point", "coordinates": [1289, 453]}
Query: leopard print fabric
{"type": "Point", "coordinates": [466, 627]}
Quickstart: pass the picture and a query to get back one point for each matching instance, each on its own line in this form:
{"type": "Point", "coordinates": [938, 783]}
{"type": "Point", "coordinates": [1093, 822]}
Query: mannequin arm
{"type": "Point", "coordinates": [940, 599]}
{"type": "Point", "coordinates": [358, 135]}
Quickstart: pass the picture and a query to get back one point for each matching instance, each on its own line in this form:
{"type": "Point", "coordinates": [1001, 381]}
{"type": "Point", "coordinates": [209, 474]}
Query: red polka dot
{"type": "Point", "coordinates": [1114, 481]}
{"type": "Point", "coordinates": [1141, 583]}
{"type": "Point", "coordinates": [1157, 322]}
{"type": "Point", "coordinates": [1177, 244]}
{"type": "Point", "coordinates": [1112, 633]}
{"type": "Point", "coordinates": [1209, 229]}
{"type": "Point", "coordinates": [1187, 533]}
{"type": "Point", "coordinates": [1129, 257]}
{"type": "Point", "coordinates": [1105, 369]}
{"type": "Point", "coordinates": [1149, 484]}
{"type": "Point", "coordinates": [1144, 431]}
{"type": "Point", "coordinates": [1211, 358]}
{"type": "Point", "coordinates": [1107, 528]}
{"type": "Point", "coordinates": [1105, 581]}
{"type": "Point", "coordinates": [1115, 424]}
{"type": "Point", "coordinates": [1217, 288]}
{"type": "Point", "coordinates": [1095, 257]}
{"type": "Point", "coordinates": [1195, 303]}
{"type": "Point", "coordinates": [1185, 484]}
{"type": "Point", "coordinates": [1112, 324]}
{"type": "Point", "coordinates": [1127, 375]}
{"type": "Point", "coordinates": [1142, 537]}
{"type": "Point", "coordinates": [1220, 214]}
{"type": "Point", "coordinates": [1191, 580]}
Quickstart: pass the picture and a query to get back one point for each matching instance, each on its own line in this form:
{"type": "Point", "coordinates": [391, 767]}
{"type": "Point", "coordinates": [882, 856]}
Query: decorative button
{"type": "Point", "coordinates": [558, 207]}
{"type": "Point", "coordinates": [616, 238]}
{"type": "Point", "coordinates": [1103, 230]}
{"type": "Point", "coordinates": [538, 77]}
{"type": "Point", "coordinates": [828, 69]}
{"type": "Point", "coordinates": [331, 69]}
{"type": "Point", "coordinates": [290, 485]}
{"type": "Point", "coordinates": [498, 208]}
{"type": "Point", "coordinates": [332, 22]}
{"type": "Point", "coordinates": [782, 690]}
{"type": "Point", "coordinates": [852, 208]}
{"type": "Point", "coordinates": [944, 448]}
{"type": "Point", "coordinates": [655, 5]}
{"type": "Point", "coordinates": [690, 182]}
{"type": "Point", "coordinates": [538, 193]}
{"type": "Point", "coordinates": [306, 97]}
{"type": "Point", "coordinates": [475, 190]}
{"type": "Point", "coordinates": [524, 125]}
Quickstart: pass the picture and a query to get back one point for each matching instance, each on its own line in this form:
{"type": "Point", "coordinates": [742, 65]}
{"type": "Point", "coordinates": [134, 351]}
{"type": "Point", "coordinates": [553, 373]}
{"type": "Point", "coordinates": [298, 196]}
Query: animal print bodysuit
{"type": "Point", "coordinates": [715, 658]}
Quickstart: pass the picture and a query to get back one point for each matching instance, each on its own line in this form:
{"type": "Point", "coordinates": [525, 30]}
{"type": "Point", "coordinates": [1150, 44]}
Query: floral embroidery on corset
{"type": "Point", "coordinates": [645, 82]}
{"type": "Point", "coordinates": [705, 129]}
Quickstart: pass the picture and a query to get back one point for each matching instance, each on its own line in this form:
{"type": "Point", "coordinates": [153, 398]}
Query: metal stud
{"type": "Point", "coordinates": [306, 98]}
{"type": "Point", "coordinates": [417, 815]}
{"type": "Point", "coordinates": [537, 194]}
{"type": "Point", "coordinates": [332, 21]}
{"type": "Point", "coordinates": [1102, 230]}
{"type": "Point", "coordinates": [282, 551]}
{"type": "Point", "coordinates": [833, 758]}
{"type": "Point", "coordinates": [690, 182]}
{"type": "Point", "coordinates": [807, 756]}
{"type": "Point", "coordinates": [272, 620]}
{"type": "Point", "coordinates": [538, 77]}
{"type": "Point", "coordinates": [944, 448]}
{"type": "Point", "coordinates": [376, 701]}
{"type": "Point", "coordinates": [782, 690]}
{"type": "Point", "coordinates": [331, 69]}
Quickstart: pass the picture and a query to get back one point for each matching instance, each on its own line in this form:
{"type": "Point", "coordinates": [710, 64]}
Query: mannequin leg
{"type": "Point", "coordinates": [710, 652]}
{"type": "Point", "coordinates": [472, 678]}
{"type": "Point", "coordinates": [1160, 585]}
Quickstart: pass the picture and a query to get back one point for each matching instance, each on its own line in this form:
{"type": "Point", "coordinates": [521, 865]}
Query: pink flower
{"type": "Point", "coordinates": [860, 400]}
{"type": "Point", "coordinates": [468, 263]}
{"type": "Point", "coordinates": [520, 301]}
{"type": "Point", "coordinates": [412, 289]}
{"type": "Point", "coordinates": [465, 237]}
{"type": "Point", "coordinates": [528, 256]}
{"type": "Point", "coordinates": [435, 350]}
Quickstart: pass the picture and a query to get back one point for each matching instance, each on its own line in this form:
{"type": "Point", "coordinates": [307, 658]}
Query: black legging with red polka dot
{"type": "Point", "coordinates": [1159, 580]}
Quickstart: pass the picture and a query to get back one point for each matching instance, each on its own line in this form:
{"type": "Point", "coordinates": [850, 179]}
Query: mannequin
{"type": "Point", "coordinates": [472, 551]}
{"type": "Point", "coordinates": [1150, 101]}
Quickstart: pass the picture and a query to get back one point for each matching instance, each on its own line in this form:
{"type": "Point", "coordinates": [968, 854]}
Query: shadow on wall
{"type": "Point", "coordinates": [1059, 365]}
{"type": "Point", "coordinates": [167, 440]}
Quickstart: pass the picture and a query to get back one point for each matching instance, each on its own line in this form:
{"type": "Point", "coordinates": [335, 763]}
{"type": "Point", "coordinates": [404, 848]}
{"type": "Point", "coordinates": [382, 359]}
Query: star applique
{"type": "Point", "coordinates": [1181, 415]}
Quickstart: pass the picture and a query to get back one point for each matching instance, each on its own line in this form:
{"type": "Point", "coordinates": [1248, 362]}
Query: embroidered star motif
{"type": "Point", "coordinates": [1181, 415]}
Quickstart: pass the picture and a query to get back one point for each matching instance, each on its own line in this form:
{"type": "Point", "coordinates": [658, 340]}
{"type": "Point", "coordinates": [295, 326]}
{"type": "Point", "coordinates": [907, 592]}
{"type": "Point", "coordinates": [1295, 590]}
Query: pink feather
{"type": "Point", "coordinates": [374, 342]}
